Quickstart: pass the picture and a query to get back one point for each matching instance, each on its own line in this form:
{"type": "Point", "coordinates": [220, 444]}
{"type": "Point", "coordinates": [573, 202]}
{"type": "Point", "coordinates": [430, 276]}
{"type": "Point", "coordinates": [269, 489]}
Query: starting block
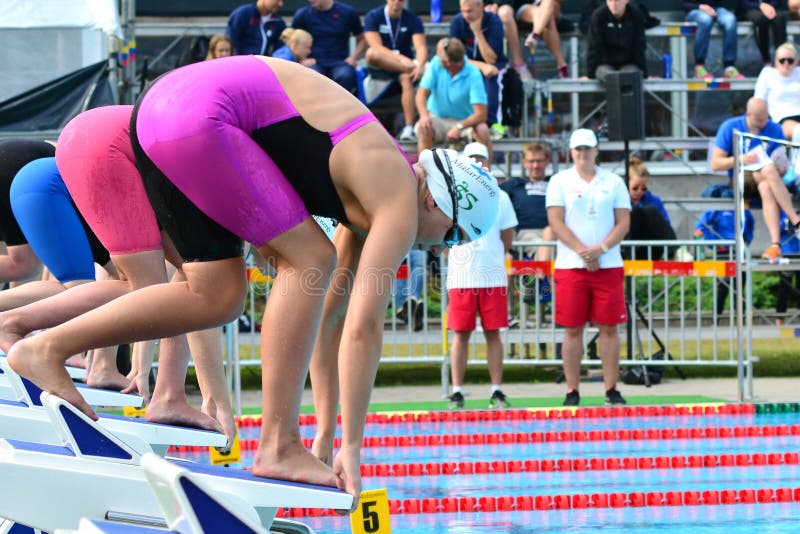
{"type": "Point", "coordinates": [23, 390]}
{"type": "Point", "coordinates": [94, 474]}
{"type": "Point", "coordinates": [26, 419]}
{"type": "Point", "coordinates": [188, 506]}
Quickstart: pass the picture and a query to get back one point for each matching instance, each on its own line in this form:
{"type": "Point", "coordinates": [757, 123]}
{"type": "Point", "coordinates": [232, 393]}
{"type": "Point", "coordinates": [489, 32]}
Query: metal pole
{"type": "Point", "coordinates": [738, 189]}
{"type": "Point", "coordinates": [128, 23]}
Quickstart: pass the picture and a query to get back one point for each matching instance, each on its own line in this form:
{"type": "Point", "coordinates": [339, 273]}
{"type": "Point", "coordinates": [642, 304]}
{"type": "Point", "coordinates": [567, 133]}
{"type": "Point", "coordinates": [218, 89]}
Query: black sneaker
{"type": "Point", "coordinates": [456, 400]}
{"type": "Point", "coordinates": [573, 398]}
{"type": "Point", "coordinates": [498, 400]}
{"type": "Point", "coordinates": [418, 313]}
{"type": "Point", "coordinates": [613, 396]}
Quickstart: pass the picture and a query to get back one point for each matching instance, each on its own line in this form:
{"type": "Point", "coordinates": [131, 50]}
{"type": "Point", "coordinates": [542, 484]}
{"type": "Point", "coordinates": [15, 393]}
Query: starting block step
{"type": "Point", "coordinates": [26, 391]}
{"type": "Point", "coordinates": [111, 479]}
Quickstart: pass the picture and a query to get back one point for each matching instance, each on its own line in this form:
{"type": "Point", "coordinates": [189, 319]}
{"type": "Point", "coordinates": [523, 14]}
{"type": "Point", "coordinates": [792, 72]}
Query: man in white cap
{"type": "Point", "coordinates": [478, 152]}
{"type": "Point", "coordinates": [588, 209]}
{"type": "Point", "coordinates": [477, 283]}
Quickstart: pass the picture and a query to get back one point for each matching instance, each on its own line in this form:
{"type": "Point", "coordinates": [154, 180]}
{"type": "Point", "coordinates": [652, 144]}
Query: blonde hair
{"type": "Point", "coordinates": [291, 36]}
{"type": "Point", "coordinates": [787, 46]}
{"type": "Point", "coordinates": [216, 39]}
{"type": "Point", "coordinates": [636, 167]}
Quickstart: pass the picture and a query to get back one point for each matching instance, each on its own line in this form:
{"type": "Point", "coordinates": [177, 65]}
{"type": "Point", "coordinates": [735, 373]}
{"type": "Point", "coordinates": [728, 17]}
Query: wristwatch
{"type": "Point", "coordinates": [603, 247]}
{"type": "Point", "coordinates": [459, 126]}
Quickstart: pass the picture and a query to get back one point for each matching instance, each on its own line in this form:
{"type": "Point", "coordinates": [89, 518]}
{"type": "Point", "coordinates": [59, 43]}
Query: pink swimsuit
{"type": "Point", "coordinates": [95, 159]}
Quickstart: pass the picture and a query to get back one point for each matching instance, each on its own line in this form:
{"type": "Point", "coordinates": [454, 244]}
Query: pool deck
{"type": "Point", "coordinates": [721, 389]}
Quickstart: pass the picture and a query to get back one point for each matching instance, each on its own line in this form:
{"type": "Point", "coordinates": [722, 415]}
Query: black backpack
{"type": "Point", "coordinates": [195, 52]}
{"type": "Point", "coordinates": [513, 98]}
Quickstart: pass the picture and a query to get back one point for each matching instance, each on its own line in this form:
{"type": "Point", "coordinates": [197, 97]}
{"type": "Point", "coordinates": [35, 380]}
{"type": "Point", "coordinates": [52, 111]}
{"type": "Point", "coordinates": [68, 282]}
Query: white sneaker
{"type": "Point", "coordinates": [407, 134]}
{"type": "Point", "coordinates": [524, 73]}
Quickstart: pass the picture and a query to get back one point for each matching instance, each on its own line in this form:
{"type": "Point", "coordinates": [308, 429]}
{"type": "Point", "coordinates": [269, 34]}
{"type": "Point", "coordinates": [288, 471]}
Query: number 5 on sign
{"type": "Point", "coordinates": [372, 514]}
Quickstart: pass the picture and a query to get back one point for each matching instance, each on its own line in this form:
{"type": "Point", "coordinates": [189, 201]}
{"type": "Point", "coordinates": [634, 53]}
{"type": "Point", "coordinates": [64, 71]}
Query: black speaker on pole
{"type": "Point", "coordinates": [625, 106]}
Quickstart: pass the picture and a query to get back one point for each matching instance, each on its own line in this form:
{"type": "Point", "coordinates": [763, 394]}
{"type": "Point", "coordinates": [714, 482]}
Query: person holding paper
{"type": "Point", "coordinates": [763, 167]}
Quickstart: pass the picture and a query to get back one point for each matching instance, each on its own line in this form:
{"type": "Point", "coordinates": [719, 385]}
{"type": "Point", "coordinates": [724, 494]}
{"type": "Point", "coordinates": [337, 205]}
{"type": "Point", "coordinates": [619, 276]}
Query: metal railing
{"type": "Point", "coordinates": [672, 310]}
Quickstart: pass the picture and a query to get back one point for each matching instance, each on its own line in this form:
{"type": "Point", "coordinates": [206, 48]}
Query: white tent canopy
{"type": "Point", "coordinates": [88, 14]}
{"type": "Point", "coordinates": [45, 39]}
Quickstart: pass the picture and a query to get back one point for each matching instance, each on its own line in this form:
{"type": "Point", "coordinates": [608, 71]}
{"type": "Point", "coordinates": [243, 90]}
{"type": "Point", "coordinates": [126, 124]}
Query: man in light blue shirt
{"type": "Point", "coordinates": [451, 100]}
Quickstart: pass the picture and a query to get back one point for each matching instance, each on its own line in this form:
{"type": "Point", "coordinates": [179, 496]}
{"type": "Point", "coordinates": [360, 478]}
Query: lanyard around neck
{"type": "Point", "coordinates": [396, 35]}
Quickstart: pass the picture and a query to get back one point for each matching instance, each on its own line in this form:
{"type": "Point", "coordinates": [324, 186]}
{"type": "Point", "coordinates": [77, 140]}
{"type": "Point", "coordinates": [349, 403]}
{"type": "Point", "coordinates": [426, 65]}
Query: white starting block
{"type": "Point", "coordinates": [75, 373]}
{"type": "Point", "coordinates": [26, 419]}
{"type": "Point", "coordinates": [96, 475]}
{"type": "Point", "coordinates": [23, 390]}
{"type": "Point", "coordinates": [188, 505]}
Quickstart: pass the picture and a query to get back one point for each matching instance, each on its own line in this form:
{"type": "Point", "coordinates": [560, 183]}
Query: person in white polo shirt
{"type": "Point", "coordinates": [477, 283]}
{"type": "Point", "coordinates": [588, 209]}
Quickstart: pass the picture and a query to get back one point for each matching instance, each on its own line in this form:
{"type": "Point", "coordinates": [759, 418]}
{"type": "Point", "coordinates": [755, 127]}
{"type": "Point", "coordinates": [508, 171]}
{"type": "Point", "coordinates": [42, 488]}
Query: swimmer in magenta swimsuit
{"type": "Point", "coordinates": [96, 162]}
{"type": "Point", "coordinates": [247, 148]}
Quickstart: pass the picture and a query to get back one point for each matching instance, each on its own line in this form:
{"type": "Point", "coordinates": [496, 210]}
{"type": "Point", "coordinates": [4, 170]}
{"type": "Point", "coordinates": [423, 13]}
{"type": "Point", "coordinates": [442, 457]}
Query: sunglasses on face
{"type": "Point", "coordinates": [454, 236]}
{"type": "Point", "coordinates": [582, 148]}
{"type": "Point", "coordinates": [786, 60]}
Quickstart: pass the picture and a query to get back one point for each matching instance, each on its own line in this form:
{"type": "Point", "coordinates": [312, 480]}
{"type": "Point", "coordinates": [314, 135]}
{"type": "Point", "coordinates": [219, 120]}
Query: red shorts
{"type": "Point", "coordinates": [464, 303]}
{"type": "Point", "coordinates": [582, 296]}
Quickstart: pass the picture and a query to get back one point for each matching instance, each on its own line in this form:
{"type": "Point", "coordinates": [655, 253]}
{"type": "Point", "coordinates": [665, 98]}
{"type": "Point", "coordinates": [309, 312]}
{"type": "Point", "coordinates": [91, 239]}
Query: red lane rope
{"type": "Point", "coordinates": [579, 464]}
{"type": "Point", "coordinates": [573, 501]}
{"type": "Point", "coordinates": [552, 436]}
{"type": "Point", "coordinates": [531, 413]}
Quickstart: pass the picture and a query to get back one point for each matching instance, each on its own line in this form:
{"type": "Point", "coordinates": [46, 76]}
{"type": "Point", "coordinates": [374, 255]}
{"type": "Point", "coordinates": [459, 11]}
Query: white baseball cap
{"type": "Point", "coordinates": [475, 190]}
{"type": "Point", "coordinates": [582, 137]}
{"type": "Point", "coordinates": [476, 149]}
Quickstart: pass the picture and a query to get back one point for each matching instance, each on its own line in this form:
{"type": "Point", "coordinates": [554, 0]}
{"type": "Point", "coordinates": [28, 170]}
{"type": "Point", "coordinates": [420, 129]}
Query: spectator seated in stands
{"type": "Point", "coordinates": [528, 199]}
{"type": "Point", "coordinates": [761, 171]}
{"type": "Point", "coordinates": [451, 100]}
{"type": "Point", "coordinates": [779, 85]}
{"type": "Point", "coordinates": [505, 10]}
{"type": "Point", "coordinates": [219, 46]}
{"type": "Point", "coordinates": [592, 5]}
{"type": "Point", "coordinates": [541, 16]}
{"type": "Point", "coordinates": [790, 246]}
{"type": "Point", "coordinates": [713, 225]}
{"type": "Point", "coordinates": [297, 46]}
{"type": "Point", "coordinates": [255, 28]}
{"type": "Point", "coordinates": [616, 40]}
{"type": "Point", "coordinates": [705, 14]}
{"type": "Point", "coordinates": [331, 23]}
{"type": "Point", "coordinates": [794, 9]}
{"type": "Point", "coordinates": [764, 14]}
{"type": "Point", "coordinates": [649, 218]}
{"type": "Point", "coordinates": [482, 34]}
{"type": "Point", "coordinates": [391, 31]}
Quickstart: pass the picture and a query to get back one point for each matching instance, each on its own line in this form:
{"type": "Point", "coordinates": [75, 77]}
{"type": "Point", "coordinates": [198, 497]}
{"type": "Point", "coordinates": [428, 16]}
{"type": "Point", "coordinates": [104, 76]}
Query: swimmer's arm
{"type": "Point", "coordinates": [324, 360]}
{"type": "Point", "coordinates": [362, 337]}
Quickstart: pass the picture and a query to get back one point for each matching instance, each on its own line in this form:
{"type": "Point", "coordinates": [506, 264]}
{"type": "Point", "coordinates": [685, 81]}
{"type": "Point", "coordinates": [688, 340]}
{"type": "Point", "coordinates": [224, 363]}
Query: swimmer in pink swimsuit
{"type": "Point", "coordinates": [245, 148]}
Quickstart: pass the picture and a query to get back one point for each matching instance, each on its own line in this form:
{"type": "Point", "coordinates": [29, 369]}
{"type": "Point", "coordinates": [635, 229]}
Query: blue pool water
{"type": "Point", "coordinates": [739, 518]}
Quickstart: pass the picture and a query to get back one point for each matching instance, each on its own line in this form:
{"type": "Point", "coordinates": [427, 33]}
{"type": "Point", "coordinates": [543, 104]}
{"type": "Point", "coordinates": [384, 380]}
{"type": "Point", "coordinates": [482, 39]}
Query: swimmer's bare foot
{"type": "Point", "coordinates": [106, 379]}
{"type": "Point", "coordinates": [76, 360]}
{"type": "Point", "coordinates": [322, 448]}
{"type": "Point", "coordinates": [292, 462]}
{"type": "Point", "coordinates": [30, 359]}
{"type": "Point", "coordinates": [223, 414]}
{"type": "Point", "coordinates": [9, 332]}
{"type": "Point", "coordinates": [178, 412]}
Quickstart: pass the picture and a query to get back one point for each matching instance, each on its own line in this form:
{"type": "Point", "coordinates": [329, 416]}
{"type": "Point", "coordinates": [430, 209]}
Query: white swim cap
{"type": "Point", "coordinates": [475, 189]}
